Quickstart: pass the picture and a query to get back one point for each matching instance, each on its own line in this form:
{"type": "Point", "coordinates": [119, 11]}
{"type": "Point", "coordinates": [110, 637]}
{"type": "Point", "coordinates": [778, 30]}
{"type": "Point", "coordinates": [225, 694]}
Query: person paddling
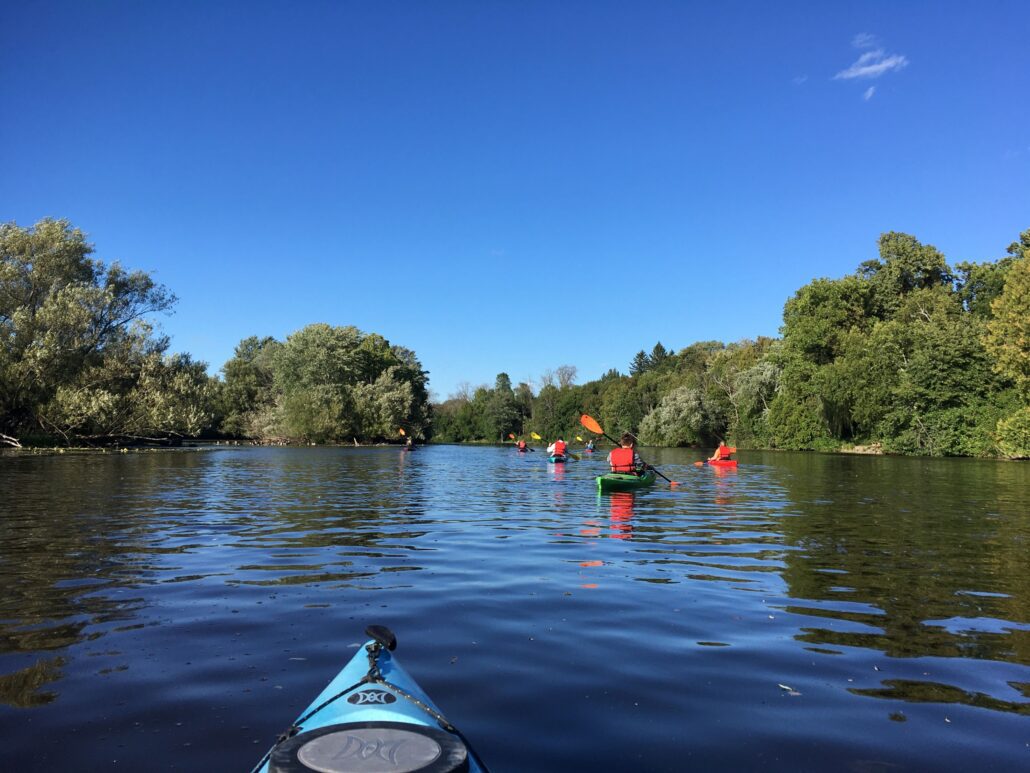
{"type": "Point", "coordinates": [625, 459]}
{"type": "Point", "coordinates": [521, 445]}
{"type": "Point", "coordinates": [557, 448]}
{"type": "Point", "coordinates": [590, 445]}
{"type": "Point", "coordinates": [722, 453]}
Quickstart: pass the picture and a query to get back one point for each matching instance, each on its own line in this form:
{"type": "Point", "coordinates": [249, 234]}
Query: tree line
{"type": "Point", "coordinates": [80, 363]}
{"type": "Point", "coordinates": [906, 355]}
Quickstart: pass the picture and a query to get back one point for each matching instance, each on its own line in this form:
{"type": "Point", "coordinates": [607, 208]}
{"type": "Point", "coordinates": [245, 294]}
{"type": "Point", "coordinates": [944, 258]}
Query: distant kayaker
{"type": "Point", "coordinates": [557, 448]}
{"type": "Point", "coordinates": [590, 445]}
{"type": "Point", "coordinates": [521, 445]}
{"type": "Point", "coordinates": [625, 459]}
{"type": "Point", "coordinates": [409, 443]}
{"type": "Point", "coordinates": [722, 453]}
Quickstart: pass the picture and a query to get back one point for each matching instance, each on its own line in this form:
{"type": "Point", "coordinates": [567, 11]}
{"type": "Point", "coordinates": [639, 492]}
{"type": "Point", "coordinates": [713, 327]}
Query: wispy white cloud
{"type": "Point", "coordinates": [864, 40]}
{"type": "Point", "coordinates": [873, 64]}
{"type": "Point", "coordinates": [869, 93]}
{"type": "Point", "coordinates": [800, 79]}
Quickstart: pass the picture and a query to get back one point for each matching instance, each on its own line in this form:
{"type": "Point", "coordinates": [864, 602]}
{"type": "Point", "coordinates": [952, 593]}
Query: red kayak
{"type": "Point", "coordinates": [723, 462]}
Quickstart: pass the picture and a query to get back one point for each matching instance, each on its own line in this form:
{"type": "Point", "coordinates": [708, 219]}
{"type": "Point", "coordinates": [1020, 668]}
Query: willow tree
{"type": "Point", "coordinates": [74, 342]}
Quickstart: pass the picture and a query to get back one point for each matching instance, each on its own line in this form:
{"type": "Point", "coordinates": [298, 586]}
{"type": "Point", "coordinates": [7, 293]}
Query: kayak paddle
{"type": "Point", "coordinates": [591, 424]}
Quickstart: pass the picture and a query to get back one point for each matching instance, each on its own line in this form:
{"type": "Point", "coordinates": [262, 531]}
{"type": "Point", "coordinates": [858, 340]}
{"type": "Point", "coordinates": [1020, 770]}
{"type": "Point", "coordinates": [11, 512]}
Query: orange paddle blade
{"type": "Point", "coordinates": [401, 431]}
{"type": "Point", "coordinates": [511, 436]}
{"type": "Point", "coordinates": [591, 424]}
{"type": "Point", "coordinates": [699, 464]}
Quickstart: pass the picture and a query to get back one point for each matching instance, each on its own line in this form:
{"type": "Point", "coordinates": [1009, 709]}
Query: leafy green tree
{"type": "Point", "coordinates": [685, 416]}
{"type": "Point", "coordinates": [333, 384]}
{"type": "Point", "coordinates": [1008, 341]}
{"type": "Point", "coordinates": [383, 405]}
{"type": "Point", "coordinates": [502, 413]}
{"type": "Point", "coordinates": [945, 399]}
{"type": "Point", "coordinates": [904, 265]}
{"type": "Point", "coordinates": [1008, 333]}
{"type": "Point", "coordinates": [62, 313]}
{"type": "Point", "coordinates": [248, 386]}
{"type": "Point", "coordinates": [821, 313]}
{"type": "Point", "coordinates": [138, 393]}
{"type": "Point", "coordinates": [1014, 434]}
{"type": "Point", "coordinates": [524, 405]}
{"type": "Point", "coordinates": [621, 408]}
{"type": "Point", "coordinates": [978, 284]}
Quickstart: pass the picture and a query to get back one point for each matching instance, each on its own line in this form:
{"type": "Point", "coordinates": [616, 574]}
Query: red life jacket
{"type": "Point", "coordinates": [725, 451]}
{"type": "Point", "coordinates": [622, 460]}
{"type": "Point", "coordinates": [522, 444]}
{"type": "Point", "coordinates": [559, 447]}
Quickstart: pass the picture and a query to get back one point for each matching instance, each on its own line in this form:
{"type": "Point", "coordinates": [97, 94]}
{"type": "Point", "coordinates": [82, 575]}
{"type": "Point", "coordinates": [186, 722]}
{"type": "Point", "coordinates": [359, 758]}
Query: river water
{"type": "Point", "coordinates": [178, 609]}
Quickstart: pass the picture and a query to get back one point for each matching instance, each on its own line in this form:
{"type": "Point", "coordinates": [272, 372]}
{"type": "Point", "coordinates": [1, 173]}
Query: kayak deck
{"type": "Point", "coordinates": [722, 462]}
{"type": "Point", "coordinates": [616, 481]}
{"type": "Point", "coordinates": [372, 716]}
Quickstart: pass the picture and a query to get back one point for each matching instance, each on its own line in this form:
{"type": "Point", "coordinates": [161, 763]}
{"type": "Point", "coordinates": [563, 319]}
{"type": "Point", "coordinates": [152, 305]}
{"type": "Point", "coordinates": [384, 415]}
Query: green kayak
{"type": "Point", "coordinates": [615, 481]}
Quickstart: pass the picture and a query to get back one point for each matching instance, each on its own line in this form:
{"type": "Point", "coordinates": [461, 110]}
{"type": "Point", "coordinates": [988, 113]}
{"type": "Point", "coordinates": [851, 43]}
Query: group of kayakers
{"type": "Point", "coordinates": [624, 459]}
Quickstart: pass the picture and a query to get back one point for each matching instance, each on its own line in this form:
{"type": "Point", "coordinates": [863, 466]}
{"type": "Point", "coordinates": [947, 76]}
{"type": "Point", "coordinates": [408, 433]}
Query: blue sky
{"type": "Point", "coordinates": [511, 186]}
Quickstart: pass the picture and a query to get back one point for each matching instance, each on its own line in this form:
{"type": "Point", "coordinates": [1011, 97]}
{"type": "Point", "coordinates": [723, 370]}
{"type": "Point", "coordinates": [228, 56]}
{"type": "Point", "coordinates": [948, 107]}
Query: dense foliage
{"type": "Point", "coordinates": [80, 362]}
{"type": "Point", "coordinates": [907, 355]}
{"type": "Point", "coordinates": [77, 357]}
{"type": "Point", "coordinates": [324, 384]}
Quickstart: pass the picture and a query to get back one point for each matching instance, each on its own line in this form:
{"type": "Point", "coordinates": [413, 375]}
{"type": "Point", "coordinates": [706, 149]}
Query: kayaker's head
{"type": "Point", "coordinates": [627, 440]}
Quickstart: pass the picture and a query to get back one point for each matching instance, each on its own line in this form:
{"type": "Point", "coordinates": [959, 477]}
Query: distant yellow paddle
{"type": "Point", "coordinates": [579, 438]}
{"type": "Point", "coordinates": [535, 436]}
{"type": "Point", "coordinates": [591, 424]}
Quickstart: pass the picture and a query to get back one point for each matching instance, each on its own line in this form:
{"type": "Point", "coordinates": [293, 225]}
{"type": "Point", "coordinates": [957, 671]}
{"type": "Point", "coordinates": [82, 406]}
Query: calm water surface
{"type": "Point", "coordinates": [176, 610]}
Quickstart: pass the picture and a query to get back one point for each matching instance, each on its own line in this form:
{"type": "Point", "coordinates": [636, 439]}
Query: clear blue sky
{"type": "Point", "coordinates": [511, 185]}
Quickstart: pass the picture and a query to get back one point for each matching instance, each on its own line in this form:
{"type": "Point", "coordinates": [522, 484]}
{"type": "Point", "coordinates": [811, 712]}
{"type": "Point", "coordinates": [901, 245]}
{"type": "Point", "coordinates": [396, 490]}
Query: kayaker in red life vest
{"type": "Point", "coordinates": [557, 448]}
{"type": "Point", "coordinates": [521, 445]}
{"type": "Point", "coordinates": [625, 459]}
{"type": "Point", "coordinates": [722, 453]}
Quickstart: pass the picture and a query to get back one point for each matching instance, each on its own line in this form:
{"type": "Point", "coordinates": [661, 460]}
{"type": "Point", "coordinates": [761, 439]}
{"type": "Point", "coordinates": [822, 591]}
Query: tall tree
{"type": "Point", "coordinates": [248, 387]}
{"type": "Point", "coordinates": [1008, 341]}
{"type": "Point", "coordinates": [62, 313]}
{"type": "Point", "coordinates": [640, 363]}
{"type": "Point", "coordinates": [566, 375]}
{"type": "Point", "coordinates": [502, 412]}
{"type": "Point", "coordinates": [659, 354]}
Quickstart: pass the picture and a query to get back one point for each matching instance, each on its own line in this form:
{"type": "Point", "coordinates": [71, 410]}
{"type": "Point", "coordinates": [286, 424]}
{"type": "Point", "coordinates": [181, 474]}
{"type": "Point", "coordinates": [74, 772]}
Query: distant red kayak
{"type": "Point", "coordinates": [723, 462]}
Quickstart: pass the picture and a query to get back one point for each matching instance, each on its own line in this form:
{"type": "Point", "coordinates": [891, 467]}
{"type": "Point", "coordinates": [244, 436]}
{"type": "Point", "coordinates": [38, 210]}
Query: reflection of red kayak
{"type": "Point", "coordinates": [723, 462]}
